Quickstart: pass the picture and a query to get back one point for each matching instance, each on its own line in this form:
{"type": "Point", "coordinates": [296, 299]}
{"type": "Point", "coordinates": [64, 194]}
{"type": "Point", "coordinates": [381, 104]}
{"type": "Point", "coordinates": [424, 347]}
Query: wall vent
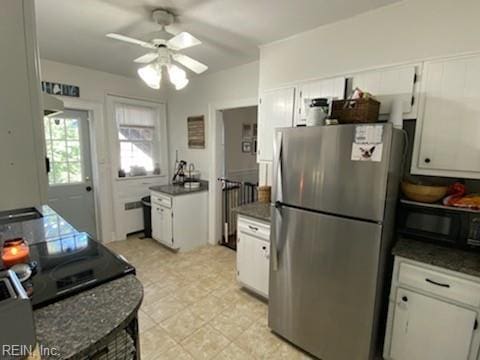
{"type": "Point", "coordinates": [133, 205]}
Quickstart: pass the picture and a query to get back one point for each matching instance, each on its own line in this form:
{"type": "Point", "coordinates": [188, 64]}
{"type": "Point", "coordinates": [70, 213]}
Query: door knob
{"type": "Point", "coordinates": [88, 188]}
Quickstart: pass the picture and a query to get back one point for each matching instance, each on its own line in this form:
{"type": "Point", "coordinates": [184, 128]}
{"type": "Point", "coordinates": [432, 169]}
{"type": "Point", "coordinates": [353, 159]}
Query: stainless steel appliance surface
{"type": "Point", "coordinates": [443, 225]}
{"type": "Point", "coordinates": [16, 317]}
{"type": "Point", "coordinates": [332, 229]}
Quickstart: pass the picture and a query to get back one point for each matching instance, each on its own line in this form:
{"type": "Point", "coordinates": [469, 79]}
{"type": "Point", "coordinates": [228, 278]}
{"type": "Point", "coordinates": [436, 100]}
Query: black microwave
{"type": "Point", "coordinates": [459, 228]}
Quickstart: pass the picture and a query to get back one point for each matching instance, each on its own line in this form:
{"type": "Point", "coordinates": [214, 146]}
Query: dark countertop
{"type": "Point", "coordinates": [48, 227]}
{"type": "Point", "coordinates": [449, 258]}
{"type": "Point", "coordinates": [176, 190]}
{"type": "Point", "coordinates": [75, 324]}
{"type": "Point", "coordinates": [257, 210]}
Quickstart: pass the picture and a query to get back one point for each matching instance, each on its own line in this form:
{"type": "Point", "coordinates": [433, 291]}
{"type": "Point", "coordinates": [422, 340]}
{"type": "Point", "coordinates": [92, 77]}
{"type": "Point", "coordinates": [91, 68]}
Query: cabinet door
{"type": "Point", "coordinates": [333, 88]}
{"type": "Point", "coordinates": [253, 262]}
{"type": "Point", "coordinates": [156, 222]}
{"type": "Point", "coordinates": [167, 233]}
{"type": "Point", "coordinates": [425, 328]}
{"type": "Point", "coordinates": [275, 110]}
{"type": "Point", "coordinates": [387, 85]}
{"type": "Point", "coordinates": [447, 133]}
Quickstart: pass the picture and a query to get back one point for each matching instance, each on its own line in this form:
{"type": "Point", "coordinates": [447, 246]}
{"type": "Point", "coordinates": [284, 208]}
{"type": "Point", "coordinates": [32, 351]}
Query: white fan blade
{"type": "Point", "coordinates": [190, 63]}
{"type": "Point", "coordinates": [130, 40]}
{"type": "Point", "coordinates": [147, 58]}
{"type": "Point", "coordinates": [182, 41]}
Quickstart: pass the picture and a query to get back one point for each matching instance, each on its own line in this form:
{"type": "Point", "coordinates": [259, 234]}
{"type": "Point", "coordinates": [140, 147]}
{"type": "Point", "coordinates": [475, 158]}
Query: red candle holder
{"type": "Point", "coordinates": [15, 251]}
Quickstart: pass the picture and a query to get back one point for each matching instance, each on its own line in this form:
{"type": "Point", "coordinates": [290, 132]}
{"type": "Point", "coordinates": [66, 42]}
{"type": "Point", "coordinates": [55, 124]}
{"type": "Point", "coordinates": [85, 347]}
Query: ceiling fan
{"type": "Point", "coordinates": [164, 52]}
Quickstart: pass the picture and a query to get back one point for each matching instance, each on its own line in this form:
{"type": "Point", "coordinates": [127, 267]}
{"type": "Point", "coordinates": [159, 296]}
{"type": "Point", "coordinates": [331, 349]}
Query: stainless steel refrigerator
{"type": "Point", "coordinates": [334, 195]}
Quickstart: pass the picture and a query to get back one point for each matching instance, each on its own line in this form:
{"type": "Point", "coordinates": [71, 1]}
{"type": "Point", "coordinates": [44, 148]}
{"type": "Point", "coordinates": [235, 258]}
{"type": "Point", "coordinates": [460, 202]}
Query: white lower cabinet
{"type": "Point", "coordinates": [253, 254]}
{"type": "Point", "coordinates": [162, 224]}
{"type": "Point", "coordinates": [180, 222]}
{"type": "Point", "coordinates": [427, 328]}
{"type": "Point", "coordinates": [425, 324]}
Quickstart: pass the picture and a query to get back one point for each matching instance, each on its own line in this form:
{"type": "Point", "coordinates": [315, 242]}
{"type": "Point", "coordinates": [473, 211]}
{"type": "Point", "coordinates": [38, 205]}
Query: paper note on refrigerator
{"type": "Point", "coordinates": [369, 134]}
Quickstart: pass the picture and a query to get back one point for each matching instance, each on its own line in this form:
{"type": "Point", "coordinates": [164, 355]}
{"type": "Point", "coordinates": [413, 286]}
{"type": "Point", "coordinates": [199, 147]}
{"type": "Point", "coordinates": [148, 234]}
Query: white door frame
{"type": "Point", "coordinates": [215, 127]}
{"type": "Point", "coordinates": [97, 134]}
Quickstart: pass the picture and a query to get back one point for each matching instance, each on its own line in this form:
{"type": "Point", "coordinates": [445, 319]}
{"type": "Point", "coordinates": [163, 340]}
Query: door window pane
{"type": "Point", "coordinates": [62, 137]}
{"type": "Point", "coordinates": [72, 129]}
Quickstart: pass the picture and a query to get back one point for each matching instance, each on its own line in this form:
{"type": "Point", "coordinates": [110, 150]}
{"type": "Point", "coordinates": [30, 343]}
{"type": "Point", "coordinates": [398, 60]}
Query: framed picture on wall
{"type": "Point", "coordinates": [246, 146]}
{"type": "Point", "coordinates": [196, 132]}
{"type": "Point", "coordinates": [246, 131]}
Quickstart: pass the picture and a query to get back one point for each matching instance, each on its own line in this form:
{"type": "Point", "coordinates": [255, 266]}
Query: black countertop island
{"type": "Point", "coordinates": [85, 324]}
{"type": "Point", "coordinates": [88, 324]}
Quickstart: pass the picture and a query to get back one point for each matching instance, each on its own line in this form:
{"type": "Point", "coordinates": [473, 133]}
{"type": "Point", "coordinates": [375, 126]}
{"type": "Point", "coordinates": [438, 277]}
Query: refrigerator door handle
{"type": "Point", "coordinates": [277, 150]}
{"type": "Point", "coordinates": [276, 228]}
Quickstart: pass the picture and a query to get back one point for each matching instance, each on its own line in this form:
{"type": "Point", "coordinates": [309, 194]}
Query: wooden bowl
{"type": "Point", "coordinates": [423, 193]}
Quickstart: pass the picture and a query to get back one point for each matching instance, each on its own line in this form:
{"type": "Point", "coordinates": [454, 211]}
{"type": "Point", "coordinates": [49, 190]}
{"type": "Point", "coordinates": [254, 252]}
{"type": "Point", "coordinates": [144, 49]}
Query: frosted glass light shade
{"type": "Point", "coordinates": [151, 75]}
{"type": "Point", "coordinates": [180, 84]}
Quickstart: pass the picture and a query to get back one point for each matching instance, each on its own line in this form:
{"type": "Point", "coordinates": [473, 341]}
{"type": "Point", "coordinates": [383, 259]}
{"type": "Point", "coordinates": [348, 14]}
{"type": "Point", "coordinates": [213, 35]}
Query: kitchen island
{"type": "Point", "coordinates": [85, 298]}
{"type": "Point", "coordinates": [83, 326]}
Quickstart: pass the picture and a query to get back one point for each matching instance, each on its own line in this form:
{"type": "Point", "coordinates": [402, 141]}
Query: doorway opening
{"type": "Point", "coordinates": [70, 184]}
{"type": "Point", "coordinates": [240, 168]}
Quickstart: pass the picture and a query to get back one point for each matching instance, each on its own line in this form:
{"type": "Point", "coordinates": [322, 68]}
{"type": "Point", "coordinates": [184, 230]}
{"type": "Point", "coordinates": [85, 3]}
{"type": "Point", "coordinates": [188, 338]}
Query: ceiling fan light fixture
{"type": "Point", "coordinates": [178, 77]}
{"type": "Point", "coordinates": [179, 85]}
{"type": "Point", "coordinates": [151, 75]}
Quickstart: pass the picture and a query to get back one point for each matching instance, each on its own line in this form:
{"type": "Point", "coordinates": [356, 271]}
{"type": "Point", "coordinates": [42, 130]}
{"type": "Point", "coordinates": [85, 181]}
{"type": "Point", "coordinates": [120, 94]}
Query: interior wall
{"type": "Point", "coordinates": [94, 87]}
{"type": "Point", "coordinates": [239, 165]}
{"type": "Point", "coordinates": [233, 84]}
{"type": "Point", "coordinates": [407, 31]}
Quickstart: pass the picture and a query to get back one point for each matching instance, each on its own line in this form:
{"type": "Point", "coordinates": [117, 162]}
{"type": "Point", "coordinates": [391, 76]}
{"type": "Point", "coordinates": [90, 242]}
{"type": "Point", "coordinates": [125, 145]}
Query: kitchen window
{"type": "Point", "coordinates": [139, 136]}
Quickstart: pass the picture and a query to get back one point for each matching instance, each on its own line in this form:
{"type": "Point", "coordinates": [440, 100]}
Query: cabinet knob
{"type": "Point", "coordinates": [404, 299]}
{"type": "Point", "coordinates": [427, 160]}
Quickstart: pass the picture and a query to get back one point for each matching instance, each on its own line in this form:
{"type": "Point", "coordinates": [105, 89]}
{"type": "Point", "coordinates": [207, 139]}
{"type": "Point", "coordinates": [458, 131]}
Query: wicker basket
{"type": "Point", "coordinates": [264, 194]}
{"type": "Point", "coordinates": [355, 111]}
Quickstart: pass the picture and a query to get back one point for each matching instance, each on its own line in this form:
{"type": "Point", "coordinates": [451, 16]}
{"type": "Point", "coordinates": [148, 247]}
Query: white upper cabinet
{"type": "Point", "coordinates": [448, 129]}
{"type": "Point", "coordinates": [333, 88]}
{"type": "Point", "coordinates": [275, 110]}
{"type": "Point", "coordinates": [22, 144]}
{"type": "Point", "coordinates": [387, 85]}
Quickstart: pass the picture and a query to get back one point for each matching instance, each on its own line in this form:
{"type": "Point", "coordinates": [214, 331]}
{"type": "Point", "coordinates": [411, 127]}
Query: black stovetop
{"type": "Point", "coordinates": [71, 264]}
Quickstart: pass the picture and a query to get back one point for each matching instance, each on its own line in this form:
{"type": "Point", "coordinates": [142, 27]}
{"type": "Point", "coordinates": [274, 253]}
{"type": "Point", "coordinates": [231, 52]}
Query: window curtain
{"type": "Point", "coordinates": [134, 115]}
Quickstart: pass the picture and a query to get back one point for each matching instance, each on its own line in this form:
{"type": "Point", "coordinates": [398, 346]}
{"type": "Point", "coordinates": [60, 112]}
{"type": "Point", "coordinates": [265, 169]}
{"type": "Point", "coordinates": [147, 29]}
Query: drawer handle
{"type": "Point", "coordinates": [437, 283]}
{"type": "Point", "coordinates": [253, 228]}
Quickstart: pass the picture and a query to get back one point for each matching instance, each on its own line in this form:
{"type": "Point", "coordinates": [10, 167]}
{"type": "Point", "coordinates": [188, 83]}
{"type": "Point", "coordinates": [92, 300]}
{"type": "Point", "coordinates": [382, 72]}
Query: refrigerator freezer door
{"type": "Point", "coordinates": [318, 173]}
{"type": "Point", "coordinates": [323, 288]}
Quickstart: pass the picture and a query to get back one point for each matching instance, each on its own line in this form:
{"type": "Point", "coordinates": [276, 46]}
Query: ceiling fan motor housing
{"type": "Point", "coordinates": [163, 17]}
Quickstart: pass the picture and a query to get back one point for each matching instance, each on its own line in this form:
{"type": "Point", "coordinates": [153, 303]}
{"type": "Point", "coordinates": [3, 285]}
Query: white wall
{"type": "Point", "coordinates": [229, 85]}
{"type": "Point", "coordinates": [94, 87]}
{"type": "Point", "coordinates": [407, 31]}
{"type": "Point", "coordinates": [239, 165]}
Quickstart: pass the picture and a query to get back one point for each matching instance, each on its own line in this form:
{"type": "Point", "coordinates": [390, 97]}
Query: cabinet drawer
{"type": "Point", "coordinates": [162, 200]}
{"type": "Point", "coordinates": [255, 228]}
{"type": "Point", "coordinates": [447, 286]}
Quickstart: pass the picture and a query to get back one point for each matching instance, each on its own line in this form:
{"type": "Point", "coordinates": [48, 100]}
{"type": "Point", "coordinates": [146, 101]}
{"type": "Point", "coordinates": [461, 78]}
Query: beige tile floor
{"type": "Point", "coordinates": [194, 309]}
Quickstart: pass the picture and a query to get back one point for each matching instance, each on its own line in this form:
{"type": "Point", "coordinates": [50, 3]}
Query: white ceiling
{"type": "Point", "coordinates": [73, 31]}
